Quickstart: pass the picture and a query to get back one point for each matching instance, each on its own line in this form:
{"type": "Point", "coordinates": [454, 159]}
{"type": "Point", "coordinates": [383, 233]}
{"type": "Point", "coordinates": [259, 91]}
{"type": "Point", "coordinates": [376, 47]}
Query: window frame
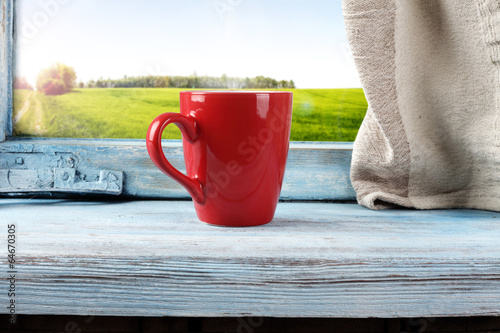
{"type": "Point", "coordinates": [315, 170]}
{"type": "Point", "coordinates": [6, 67]}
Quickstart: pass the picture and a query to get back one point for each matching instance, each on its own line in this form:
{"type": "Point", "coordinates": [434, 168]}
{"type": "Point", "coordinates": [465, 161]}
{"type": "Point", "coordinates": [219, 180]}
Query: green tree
{"type": "Point", "coordinates": [56, 80]}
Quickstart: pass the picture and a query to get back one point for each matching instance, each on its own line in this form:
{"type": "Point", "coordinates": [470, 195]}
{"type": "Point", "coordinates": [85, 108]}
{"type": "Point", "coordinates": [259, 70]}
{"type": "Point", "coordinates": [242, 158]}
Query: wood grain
{"type": "Point", "coordinates": [155, 258]}
{"type": "Point", "coordinates": [315, 171]}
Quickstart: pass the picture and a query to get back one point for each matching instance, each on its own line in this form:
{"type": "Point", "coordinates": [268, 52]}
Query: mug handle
{"type": "Point", "coordinates": [189, 130]}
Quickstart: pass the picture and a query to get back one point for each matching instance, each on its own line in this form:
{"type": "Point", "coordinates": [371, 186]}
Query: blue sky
{"type": "Point", "coordinates": [303, 40]}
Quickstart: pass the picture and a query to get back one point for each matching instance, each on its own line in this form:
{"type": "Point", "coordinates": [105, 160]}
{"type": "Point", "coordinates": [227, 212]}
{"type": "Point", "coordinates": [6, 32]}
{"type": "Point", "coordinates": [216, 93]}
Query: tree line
{"type": "Point", "coordinates": [190, 82]}
{"type": "Point", "coordinates": [60, 79]}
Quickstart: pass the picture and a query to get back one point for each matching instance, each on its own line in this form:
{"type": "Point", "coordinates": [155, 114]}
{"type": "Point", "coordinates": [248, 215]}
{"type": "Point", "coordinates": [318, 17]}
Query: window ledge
{"type": "Point", "coordinates": [314, 170]}
{"type": "Point", "coordinates": [154, 258]}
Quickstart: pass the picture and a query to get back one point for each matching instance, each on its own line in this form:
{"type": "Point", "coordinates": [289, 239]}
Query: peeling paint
{"type": "Point", "coordinates": [4, 11]}
{"type": "Point", "coordinates": [6, 61]}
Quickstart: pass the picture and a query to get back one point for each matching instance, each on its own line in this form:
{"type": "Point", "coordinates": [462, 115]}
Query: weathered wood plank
{"type": "Point", "coordinates": [314, 260]}
{"type": "Point", "coordinates": [6, 68]}
{"type": "Point", "coordinates": [315, 171]}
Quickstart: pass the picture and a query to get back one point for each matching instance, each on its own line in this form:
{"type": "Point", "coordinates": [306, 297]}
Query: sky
{"type": "Point", "coordinates": [300, 40]}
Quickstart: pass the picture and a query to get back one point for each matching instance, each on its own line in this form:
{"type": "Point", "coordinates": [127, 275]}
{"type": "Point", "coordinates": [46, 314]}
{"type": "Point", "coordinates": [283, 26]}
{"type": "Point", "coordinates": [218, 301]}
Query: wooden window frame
{"type": "Point", "coordinates": [315, 170]}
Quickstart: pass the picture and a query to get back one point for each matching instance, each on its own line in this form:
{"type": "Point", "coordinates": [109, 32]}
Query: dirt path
{"type": "Point", "coordinates": [32, 109]}
{"type": "Point", "coordinates": [25, 108]}
{"type": "Point", "coordinates": [39, 128]}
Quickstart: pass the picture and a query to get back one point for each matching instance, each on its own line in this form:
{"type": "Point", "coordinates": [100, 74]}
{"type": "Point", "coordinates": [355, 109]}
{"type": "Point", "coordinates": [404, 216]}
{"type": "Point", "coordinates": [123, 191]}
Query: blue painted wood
{"type": "Point", "coordinates": [61, 180]}
{"type": "Point", "coordinates": [315, 171]}
{"type": "Point", "coordinates": [6, 66]}
{"type": "Point", "coordinates": [155, 258]}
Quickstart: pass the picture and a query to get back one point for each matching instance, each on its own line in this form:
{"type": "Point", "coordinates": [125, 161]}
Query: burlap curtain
{"type": "Point", "coordinates": [430, 70]}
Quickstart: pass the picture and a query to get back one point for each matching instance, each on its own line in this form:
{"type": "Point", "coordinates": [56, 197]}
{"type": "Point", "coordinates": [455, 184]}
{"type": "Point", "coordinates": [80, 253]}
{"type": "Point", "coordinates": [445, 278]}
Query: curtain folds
{"type": "Point", "coordinates": [430, 70]}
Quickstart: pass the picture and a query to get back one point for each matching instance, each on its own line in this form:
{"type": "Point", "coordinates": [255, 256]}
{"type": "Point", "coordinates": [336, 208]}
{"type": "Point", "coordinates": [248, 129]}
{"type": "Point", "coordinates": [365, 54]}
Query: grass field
{"type": "Point", "coordinates": [318, 114]}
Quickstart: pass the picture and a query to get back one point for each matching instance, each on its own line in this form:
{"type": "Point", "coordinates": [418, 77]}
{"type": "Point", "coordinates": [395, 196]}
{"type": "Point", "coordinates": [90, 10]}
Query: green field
{"type": "Point", "coordinates": [318, 114]}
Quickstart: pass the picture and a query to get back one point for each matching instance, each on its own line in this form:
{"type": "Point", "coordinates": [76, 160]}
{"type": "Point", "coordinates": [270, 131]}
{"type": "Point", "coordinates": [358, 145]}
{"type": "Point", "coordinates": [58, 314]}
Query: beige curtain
{"type": "Point", "coordinates": [430, 70]}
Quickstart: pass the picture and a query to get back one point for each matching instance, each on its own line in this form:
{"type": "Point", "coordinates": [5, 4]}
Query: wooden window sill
{"type": "Point", "coordinates": [154, 258]}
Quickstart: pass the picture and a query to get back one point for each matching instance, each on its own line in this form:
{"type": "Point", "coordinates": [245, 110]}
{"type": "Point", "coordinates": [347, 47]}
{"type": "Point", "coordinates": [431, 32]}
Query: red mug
{"type": "Point", "coordinates": [235, 149]}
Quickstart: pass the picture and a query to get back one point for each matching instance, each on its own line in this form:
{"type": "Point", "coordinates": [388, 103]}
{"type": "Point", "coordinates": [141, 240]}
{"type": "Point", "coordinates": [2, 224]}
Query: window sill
{"type": "Point", "coordinates": [154, 258]}
{"type": "Point", "coordinates": [314, 171]}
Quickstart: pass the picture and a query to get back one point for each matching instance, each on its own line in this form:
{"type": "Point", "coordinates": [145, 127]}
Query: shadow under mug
{"type": "Point", "coordinates": [235, 149]}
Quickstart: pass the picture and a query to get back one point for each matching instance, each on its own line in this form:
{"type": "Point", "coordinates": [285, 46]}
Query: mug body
{"type": "Point", "coordinates": [240, 154]}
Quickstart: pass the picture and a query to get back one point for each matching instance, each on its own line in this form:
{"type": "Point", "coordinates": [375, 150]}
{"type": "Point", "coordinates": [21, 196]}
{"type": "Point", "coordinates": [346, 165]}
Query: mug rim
{"type": "Point", "coordinates": [250, 92]}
